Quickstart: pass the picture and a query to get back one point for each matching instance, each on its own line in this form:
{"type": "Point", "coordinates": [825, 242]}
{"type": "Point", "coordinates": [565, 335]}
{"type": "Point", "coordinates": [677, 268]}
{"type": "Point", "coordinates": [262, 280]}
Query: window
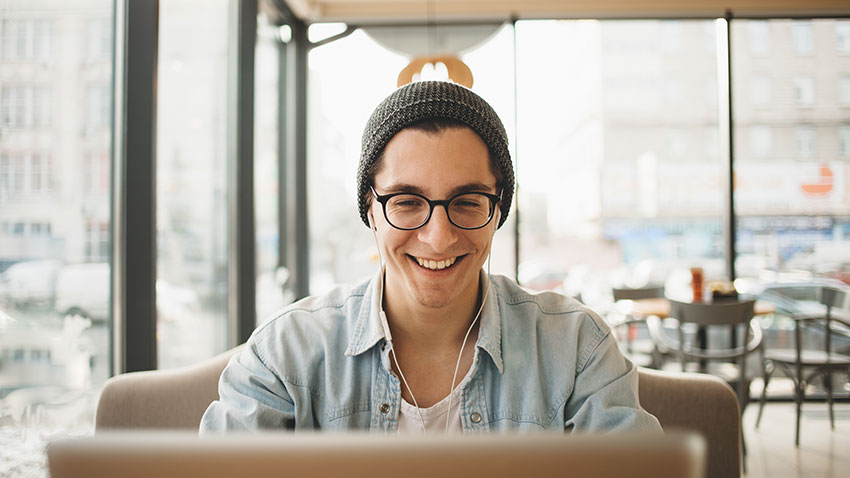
{"type": "Point", "coordinates": [26, 39]}
{"type": "Point", "coordinates": [40, 171]}
{"type": "Point", "coordinates": [11, 175]}
{"type": "Point", "coordinates": [804, 90]}
{"type": "Point", "coordinates": [761, 141]}
{"type": "Point", "coordinates": [96, 173]}
{"type": "Point", "coordinates": [47, 238]}
{"type": "Point", "coordinates": [842, 36]}
{"type": "Point", "coordinates": [24, 174]}
{"type": "Point", "coordinates": [805, 142]}
{"type": "Point", "coordinates": [40, 229]}
{"type": "Point", "coordinates": [97, 242]}
{"type": "Point", "coordinates": [272, 291]}
{"type": "Point", "coordinates": [98, 104]}
{"type": "Point", "coordinates": [25, 107]}
{"type": "Point", "coordinates": [628, 188]}
{"type": "Point", "coordinates": [192, 182]}
{"type": "Point", "coordinates": [844, 89]}
{"type": "Point", "coordinates": [758, 34]}
{"type": "Point", "coordinates": [844, 141]}
{"type": "Point", "coordinates": [801, 35]}
{"type": "Point", "coordinates": [790, 202]}
{"type": "Point", "coordinates": [760, 90]}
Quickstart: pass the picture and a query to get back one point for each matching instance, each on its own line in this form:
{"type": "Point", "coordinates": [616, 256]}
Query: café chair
{"type": "Point", "coordinates": [625, 326]}
{"type": "Point", "coordinates": [803, 364]}
{"type": "Point", "coordinates": [177, 399]}
{"type": "Point", "coordinates": [694, 324]}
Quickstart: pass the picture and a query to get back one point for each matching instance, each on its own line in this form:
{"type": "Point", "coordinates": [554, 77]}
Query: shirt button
{"type": "Point", "coordinates": [475, 417]}
{"type": "Point", "coordinates": [385, 408]}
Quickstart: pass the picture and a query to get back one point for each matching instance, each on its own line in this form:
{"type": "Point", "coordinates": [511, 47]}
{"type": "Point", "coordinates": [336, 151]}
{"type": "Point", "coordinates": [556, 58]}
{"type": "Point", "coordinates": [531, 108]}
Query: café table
{"type": "Point", "coordinates": [660, 307]}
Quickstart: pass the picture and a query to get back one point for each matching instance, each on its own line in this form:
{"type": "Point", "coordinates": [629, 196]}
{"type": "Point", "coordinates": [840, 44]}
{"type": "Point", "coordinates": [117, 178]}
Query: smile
{"type": "Point", "coordinates": [436, 265]}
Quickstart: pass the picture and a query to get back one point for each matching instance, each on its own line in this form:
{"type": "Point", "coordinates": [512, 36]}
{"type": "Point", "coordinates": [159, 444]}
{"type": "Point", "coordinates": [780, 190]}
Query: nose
{"type": "Point", "coordinates": [438, 232]}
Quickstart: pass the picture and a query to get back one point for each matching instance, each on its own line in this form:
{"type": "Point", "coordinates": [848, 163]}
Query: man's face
{"type": "Point", "coordinates": [436, 166]}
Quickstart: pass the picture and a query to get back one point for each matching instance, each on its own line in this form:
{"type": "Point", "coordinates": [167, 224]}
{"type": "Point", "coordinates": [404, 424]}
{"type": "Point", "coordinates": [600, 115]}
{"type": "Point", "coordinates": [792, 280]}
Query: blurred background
{"type": "Point", "coordinates": [644, 145]}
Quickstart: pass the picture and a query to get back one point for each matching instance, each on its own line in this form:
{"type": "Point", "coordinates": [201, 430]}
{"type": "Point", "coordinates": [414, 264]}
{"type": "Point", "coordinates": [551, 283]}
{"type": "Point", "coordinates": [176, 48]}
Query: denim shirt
{"type": "Point", "coordinates": [542, 361]}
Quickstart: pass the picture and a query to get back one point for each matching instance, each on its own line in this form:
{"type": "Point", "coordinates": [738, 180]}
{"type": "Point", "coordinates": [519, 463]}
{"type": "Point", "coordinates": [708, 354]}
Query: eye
{"type": "Point", "coordinates": [406, 201]}
{"type": "Point", "coordinates": [470, 201]}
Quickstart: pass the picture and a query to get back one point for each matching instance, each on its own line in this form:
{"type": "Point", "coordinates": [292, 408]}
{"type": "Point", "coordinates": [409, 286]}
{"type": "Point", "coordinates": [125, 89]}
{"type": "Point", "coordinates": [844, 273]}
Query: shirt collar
{"type": "Point", "coordinates": [368, 329]}
{"type": "Point", "coordinates": [490, 331]}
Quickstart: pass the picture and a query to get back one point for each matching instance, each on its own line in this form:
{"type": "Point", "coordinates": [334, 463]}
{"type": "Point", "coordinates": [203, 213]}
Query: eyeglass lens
{"type": "Point", "coordinates": [471, 210]}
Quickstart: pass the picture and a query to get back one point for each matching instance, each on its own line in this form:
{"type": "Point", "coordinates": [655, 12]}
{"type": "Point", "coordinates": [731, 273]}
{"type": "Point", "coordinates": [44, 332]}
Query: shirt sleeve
{"type": "Point", "coordinates": [605, 396]}
{"type": "Point", "coordinates": [252, 397]}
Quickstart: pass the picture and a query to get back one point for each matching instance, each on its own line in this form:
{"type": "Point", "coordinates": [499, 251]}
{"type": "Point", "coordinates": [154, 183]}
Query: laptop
{"type": "Point", "coordinates": [356, 455]}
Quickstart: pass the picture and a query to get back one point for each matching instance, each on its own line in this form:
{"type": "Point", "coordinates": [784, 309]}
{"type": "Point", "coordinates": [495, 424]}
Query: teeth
{"type": "Point", "coordinates": [436, 265]}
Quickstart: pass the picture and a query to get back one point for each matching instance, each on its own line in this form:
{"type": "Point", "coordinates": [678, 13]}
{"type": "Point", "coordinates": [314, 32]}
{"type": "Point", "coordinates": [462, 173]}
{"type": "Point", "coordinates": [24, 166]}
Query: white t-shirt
{"type": "Point", "coordinates": [433, 416]}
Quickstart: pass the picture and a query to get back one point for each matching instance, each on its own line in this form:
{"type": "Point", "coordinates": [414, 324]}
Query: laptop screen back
{"type": "Point", "coordinates": [177, 454]}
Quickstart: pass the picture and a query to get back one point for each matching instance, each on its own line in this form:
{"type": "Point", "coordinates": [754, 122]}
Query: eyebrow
{"type": "Point", "coordinates": [463, 188]}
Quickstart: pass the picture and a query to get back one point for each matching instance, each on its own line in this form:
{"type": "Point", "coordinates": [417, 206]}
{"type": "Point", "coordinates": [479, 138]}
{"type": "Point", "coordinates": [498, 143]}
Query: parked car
{"type": "Point", "coordinates": [29, 284]}
{"type": "Point", "coordinates": [83, 289]}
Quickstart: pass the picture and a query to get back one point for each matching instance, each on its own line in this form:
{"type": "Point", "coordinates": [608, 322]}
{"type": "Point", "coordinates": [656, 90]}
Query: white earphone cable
{"type": "Point", "coordinates": [465, 337]}
{"type": "Point", "coordinates": [386, 326]}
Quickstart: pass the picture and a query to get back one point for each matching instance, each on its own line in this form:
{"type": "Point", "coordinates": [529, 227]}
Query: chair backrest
{"type": "Point", "coordinates": [730, 314]}
{"type": "Point", "coordinates": [834, 298]}
{"type": "Point", "coordinates": [715, 313]}
{"type": "Point", "coordinates": [700, 403]}
{"type": "Point", "coordinates": [178, 399]}
{"type": "Point", "coordinates": [639, 293]}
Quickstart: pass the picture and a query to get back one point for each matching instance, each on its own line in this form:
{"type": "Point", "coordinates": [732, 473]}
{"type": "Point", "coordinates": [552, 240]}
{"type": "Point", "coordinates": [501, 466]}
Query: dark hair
{"type": "Point", "coordinates": [434, 126]}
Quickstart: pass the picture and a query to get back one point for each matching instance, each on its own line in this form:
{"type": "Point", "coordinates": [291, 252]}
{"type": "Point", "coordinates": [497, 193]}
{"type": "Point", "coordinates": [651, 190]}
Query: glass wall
{"type": "Point", "coordinates": [192, 193]}
{"type": "Point", "coordinates": [791, 86]}
{"type": "Point", "coordinates": [343, 93]}
{"type": "Point", "coordinates": [271, 279]}
{"type": "Point", "coordinates": [619, 164]}
{"type": "Point", "coordinates": [55, 167]}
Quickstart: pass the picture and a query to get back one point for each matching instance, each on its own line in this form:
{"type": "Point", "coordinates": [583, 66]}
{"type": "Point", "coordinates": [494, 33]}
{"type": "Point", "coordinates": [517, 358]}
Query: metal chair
{"type": "Point", "coordinates": [694, 321]}
{"type": "Point", "coordinates": [647, 355]}
{"type": "Point", "coordinates": [802, 364]}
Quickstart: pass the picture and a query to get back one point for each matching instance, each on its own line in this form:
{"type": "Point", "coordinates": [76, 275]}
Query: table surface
{"type": "Point", "coordinates": [660, 307]}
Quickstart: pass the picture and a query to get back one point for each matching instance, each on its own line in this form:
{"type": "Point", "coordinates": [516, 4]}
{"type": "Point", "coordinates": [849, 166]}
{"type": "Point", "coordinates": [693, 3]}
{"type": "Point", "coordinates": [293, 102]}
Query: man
{"type": "Point", "coordinates": [432, 343]}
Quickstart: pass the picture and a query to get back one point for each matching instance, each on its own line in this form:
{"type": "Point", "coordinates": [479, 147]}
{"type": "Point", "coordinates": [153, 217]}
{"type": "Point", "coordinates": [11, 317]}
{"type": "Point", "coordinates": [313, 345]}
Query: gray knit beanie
{"type": "Point", "coordinates": [427, 100]}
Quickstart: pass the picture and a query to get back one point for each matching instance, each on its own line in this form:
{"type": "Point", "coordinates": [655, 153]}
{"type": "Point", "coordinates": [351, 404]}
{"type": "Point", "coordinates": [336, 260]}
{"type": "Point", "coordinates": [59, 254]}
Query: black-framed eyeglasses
{"type": "Point", "coordinates": [408, 211]}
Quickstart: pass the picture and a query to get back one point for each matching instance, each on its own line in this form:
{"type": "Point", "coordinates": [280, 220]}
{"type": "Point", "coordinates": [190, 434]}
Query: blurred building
{"type": "Point", "coordinates": [55, 125]}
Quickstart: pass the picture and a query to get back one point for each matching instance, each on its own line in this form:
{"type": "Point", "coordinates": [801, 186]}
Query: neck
{"type": "Point", "coordinates": [415, 325]}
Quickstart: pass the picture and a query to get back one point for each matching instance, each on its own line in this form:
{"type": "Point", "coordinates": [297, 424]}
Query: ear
{"type": "Point", "coordinates": [372, 221]}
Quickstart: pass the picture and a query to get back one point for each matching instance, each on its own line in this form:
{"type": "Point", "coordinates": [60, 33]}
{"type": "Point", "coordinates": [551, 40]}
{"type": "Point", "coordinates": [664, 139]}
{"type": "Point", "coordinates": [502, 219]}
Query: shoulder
{"type": "Point", "coordinates": [526, 305]}
{"type": "Point", "coordinates": [320, 319]}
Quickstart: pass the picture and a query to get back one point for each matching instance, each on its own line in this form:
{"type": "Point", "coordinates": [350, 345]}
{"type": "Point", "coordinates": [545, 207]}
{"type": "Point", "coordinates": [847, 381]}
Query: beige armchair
{"type": "Point", "coordinates": [161, 398]}
{"type": "Point", "coordinates": [178, 399]}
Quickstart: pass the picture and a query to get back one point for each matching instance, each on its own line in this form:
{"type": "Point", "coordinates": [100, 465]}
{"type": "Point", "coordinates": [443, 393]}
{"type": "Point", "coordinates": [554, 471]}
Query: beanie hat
{"type": "Point", "coordinates": [428, 100]}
